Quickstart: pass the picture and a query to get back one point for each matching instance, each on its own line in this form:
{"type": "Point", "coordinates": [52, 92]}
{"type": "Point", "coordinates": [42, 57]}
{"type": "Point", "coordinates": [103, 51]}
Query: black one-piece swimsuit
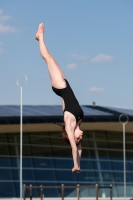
{"type": "Point", "coordinates": [71, 103]}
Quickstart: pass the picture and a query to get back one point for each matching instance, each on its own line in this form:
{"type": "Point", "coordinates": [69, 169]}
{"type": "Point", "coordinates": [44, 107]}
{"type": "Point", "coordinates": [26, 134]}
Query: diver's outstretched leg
{"type": "Point", "coordinates": [56, 74]}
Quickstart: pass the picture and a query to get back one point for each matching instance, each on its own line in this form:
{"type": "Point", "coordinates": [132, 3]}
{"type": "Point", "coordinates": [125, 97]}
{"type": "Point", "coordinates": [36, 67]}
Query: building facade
{"type": "Point", "coordinates": [47, 159]}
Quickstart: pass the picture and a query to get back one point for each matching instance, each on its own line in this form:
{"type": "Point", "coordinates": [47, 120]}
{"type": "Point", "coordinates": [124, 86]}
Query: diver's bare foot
{"type": "Point", "coordinates": [40, 31]}
{"type": "Point", "coordinates": [76, 170]}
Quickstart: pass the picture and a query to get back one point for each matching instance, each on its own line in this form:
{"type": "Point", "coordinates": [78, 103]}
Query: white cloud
{"type": "Point", "coordinates": [80, 57]}
{"type": "Point", "coordinates": [0, 47]}
{"type": "Point", "coordinates": [101, 58]}
{"type": "Point", "coordinates": [6, 29]}
{"type": "Point", "coordinates": [4, 17]}
{"type": "Point", "coordinates": [1, 11]}
{"type": "Point", "coordinates": [96, 89]}
{"type": "Point", "coordinates": [72, 66]}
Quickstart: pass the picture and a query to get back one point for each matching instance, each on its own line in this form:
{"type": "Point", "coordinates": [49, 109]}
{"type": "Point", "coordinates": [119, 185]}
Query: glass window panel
{"type": "Point", "coordinates": [118, 176]}
{"type": "Point", "coordinates": [97, 135]}
{"type": "Point", "coordinates": [87, 164]}
{"type": "Point", "coordinates": [3, 138]}
{"type": "Point", "coordinates": [12, 149]}
{"type": "Point", "coordinates": [105, 192]}
{"type": "Point", "coordinates": [70, 192]}
{"type": "Point", "coordinates": [6, 174]}
{"type": "Point", "coordinates": [13, 174]}
{"type": "Point", "coordinates": [16, 174]}
{"type": "Point", "coordinates": [45, 174]}
{"type": "Point", "coordinates": [7, 190]}
{"type": "Point", "coordinates": [50, 192]}
{"type": "Point", "coordinates": [129, 190]}
{"type": "Point", "coordinates": [27, 162]}
{"type": "Point", "coordinates": [17, 188]}
{"type": "Point", "coordinates": [96, 164]}
{"type": "Point", "coordinates": [5, 162]}
{"type": "Point", "coordinates": [88, 153]}
{"type": "Point", "coordinates": [116, 155]}
{"type": "Point", "coordinates": [129, 177]}
{"type": "Point", "coordinates": [129, 155]}
{"type": "Point", "coordinates": [85, 140]}
{"type": "Point", "coordinates": [15, 161]}
{"type": "Point", "coordinates": [127, 166]}
{"type": "Point", "coordinates": [26, 138]}
{"type": "Point", "coordinates": [117, 165]}
{"type": "Point", "coordinates": [101, 144]}
{"type": "Point", "coordinates": [120, 190]}
{"type": "Point", "coordinates": [107, 176]}
{"type": "Point", "coordinates": [61, 151]}
{"type": "Point", "coordinates": [97, 175]}
{"type": "Point", "coordinates": [27, 150]}
{"type": "Point", "coordinates": [105, 165]}
{"type": "Point", "coordinates": [86, 176]}
{"type": "Point", "coordinates": [91, 144]}
{"type": "Point", "coordinates": [87, 192]}
{"type": "Point", "coordinates": [114, 136]}
{"type": "Point", "coordinates": [103, 154]}
{"type": "Point", "coordinates": [43, 162]}
{"type": "Point", "coordinates": [4, 149]}
{"type": "Point", "coordinates": [39, 138]}
{"type": "Point", "coordinates": [41, 151]}
{"type": "Point", "coordinates": [59, 141]}
{"type": "Point", "coordinates": [129, 137]}
{"type": "Point", "coordinates": [28, 174]}
{"type": "Point", "coordinates": [63, 163]}
{"type": "Point", "coordinates": [129, 146]}
{"type": "Point", "coordinates": [14, 138]}
{"type": "Point", "coordinates": [130, 164]}
{"type": "Point", "coordinates": [56, 139]}
{"type": "Point", "coordinates": [115, 145]}
{"type": "Point", "coordinates": [66, 175]}
{"type": "Point", "coordinates": [86, 180]}
{"type": "Point", "coordinates": [83, 191]}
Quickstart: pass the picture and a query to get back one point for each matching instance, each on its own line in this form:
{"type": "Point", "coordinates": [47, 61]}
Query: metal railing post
{"type": "Point", "coordinates": [110, 192]}
{"type": "Point", "coordinates": [30, 192]}
{"type": "Point", "coordinates": [78, 192]}
{"type": "Point", "coordinates": [62, 187]}
{"type": "Point", "coordinates": [24, 192]}
{"type": "Point", "coordinates": [96, 191]}
{"type": "Point", "coordinates": [41, 195]}
{"type": "Point", "coordinates": [62, 191]}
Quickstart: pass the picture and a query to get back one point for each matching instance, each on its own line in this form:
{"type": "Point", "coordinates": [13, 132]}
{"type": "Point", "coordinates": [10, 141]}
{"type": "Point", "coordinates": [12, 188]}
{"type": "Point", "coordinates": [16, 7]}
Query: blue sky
{"type": "Point", "coordinates": [92, 42]}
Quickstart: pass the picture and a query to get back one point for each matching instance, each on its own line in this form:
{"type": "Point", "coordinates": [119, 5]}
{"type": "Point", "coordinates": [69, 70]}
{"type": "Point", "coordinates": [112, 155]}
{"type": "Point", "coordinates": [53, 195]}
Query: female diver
{"type": "Point", "coordinates": [72, 111]}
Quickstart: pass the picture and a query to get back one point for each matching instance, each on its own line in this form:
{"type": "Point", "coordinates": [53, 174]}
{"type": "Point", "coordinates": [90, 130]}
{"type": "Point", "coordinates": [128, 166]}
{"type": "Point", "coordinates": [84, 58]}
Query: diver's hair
{"type": "Point", "coordinates": [63, 133]}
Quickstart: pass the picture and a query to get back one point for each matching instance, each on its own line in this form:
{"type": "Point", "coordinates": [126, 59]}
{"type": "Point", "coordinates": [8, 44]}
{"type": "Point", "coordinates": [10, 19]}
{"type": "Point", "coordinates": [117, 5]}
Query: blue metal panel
{"type": "Point", "coordinates": [123, 111]}
{"type": "Point", "coordinates": [42, 110]}
{"type": "Point", "coordinates": [90, 111]}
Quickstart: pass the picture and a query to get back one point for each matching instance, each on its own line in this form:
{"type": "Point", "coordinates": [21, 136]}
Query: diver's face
{"type": "Point", "coordinates": [78, 134]}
